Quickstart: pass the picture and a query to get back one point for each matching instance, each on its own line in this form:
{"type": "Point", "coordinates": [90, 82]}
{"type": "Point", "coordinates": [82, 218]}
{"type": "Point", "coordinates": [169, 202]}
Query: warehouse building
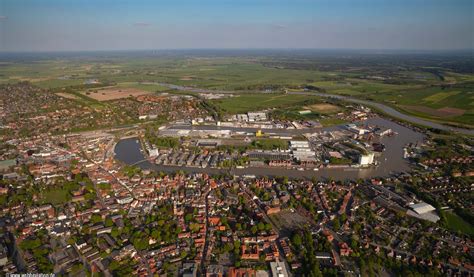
{"type": "Point", "coordinates": [423, 211]}
{"type": "Point", "coordinates": [366, 159]}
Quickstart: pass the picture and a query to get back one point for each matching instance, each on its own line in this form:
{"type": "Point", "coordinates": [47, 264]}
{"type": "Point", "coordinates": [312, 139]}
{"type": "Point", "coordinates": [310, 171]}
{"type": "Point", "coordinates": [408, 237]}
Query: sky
{"type": "Point", "coordinates": [77, 25]}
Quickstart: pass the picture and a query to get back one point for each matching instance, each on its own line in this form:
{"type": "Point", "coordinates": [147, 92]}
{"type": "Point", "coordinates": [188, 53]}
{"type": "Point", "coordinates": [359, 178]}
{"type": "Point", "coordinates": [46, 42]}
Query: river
{"type": "Point", "coordinates": [391, 161]}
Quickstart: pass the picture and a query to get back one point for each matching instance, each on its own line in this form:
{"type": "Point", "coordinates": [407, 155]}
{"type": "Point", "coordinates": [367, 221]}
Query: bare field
{"type": "Point", "coordinates": [289, 220]}
{"type": "Point", "coordinates": [29, 79]}
{"type": "Point", "coordinates": [187, 78]}
{"type": "Point", "coordinates": [113, 93]}
{"type": "Point", "coordinates": [67, 95]}
{"type": "Point", "coordinates": [453, 111]}
{"type": "Point", "coordinates": [442, 112]}
{"type": "Point", "coordinates": [323, 108]}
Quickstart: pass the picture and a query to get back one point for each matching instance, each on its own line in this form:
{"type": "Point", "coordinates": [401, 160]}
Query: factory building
{"type": "Point", "coordinates": [195, 133]}
{"type": "Point", "coordinates": [423, 211]}
{"type": "Point", "coordinates": [301, 151]}
{"type": "Point", "coordinates": [366, 159]}
{"type": "Point", "coordinates": [356, 130]}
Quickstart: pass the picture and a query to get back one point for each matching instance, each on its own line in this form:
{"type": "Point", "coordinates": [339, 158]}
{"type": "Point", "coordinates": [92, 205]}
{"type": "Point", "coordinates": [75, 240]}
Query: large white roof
{"type": "Point", "coordinates": [422, 207]}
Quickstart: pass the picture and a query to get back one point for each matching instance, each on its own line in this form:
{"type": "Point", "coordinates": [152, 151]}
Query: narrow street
{"type": "Point", "coordinates": [207, 237]}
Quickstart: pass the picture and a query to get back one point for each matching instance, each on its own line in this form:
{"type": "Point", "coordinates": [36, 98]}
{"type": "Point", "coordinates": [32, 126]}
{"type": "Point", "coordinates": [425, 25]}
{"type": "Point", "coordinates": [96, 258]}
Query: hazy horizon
{"type": "Point", "coordinates": [316, 50]}
{"type": "Point", "coordinates": [54, 25]}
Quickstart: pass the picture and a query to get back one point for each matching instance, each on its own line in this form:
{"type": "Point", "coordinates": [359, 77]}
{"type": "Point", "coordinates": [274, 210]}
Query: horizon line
{"type": "Point", "coordinates": [239, 49]}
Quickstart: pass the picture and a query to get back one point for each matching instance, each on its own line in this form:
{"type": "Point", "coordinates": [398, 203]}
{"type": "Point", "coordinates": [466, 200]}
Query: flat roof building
{"type": "Point", "coordinates": [423, 211]}
{"type": "Point", "coordinates": [279, 269]}
{"type": "Point", "coordinates": [422, 207]}
{"type": "Point", "coordinates": [366, 159]}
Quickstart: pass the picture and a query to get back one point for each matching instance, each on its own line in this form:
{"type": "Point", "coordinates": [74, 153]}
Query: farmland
{"type": "Point", "coordinates": [323, 108]}
{"type": "Point", "coordinates": [421, 85]}
{"type": "Point", "coordinates": [113, 93]}
{"type": "Point", "coordinates": [454, 104]}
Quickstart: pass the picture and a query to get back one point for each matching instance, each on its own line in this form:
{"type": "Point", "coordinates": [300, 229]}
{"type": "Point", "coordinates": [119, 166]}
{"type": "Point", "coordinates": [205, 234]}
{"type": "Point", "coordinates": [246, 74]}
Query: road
{"type": "Point", "coordinates": [206, 241]}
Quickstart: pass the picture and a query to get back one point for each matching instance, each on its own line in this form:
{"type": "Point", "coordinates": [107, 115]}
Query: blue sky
{"type": "Point", "coordinates": [69, 25]}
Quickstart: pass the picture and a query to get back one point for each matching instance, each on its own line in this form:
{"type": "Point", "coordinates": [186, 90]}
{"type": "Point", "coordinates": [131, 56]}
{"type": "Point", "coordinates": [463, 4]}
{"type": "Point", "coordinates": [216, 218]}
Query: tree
{"type": "Point", "coordinates": [95, 218]}
{"type": "Point", "coordinates": [254, 229]}
{"type": "Point", "coordinates": [335, 224]}
{"type": "Point", "coordinates": [228, 247]}
{"type": "Point", "coordinates": [156, 234]}
{"type": "Point", "coordinates": [268, 227]}
{"type": "Point", "coordinates": [30, 243]}
{"type": "Point", "coordinates": [296, 240]}
{"type": "Point", "coordinates": [115, 232]}
{"type": "Point", "coordinates": [109, 222]}
{"type": "Point", "coordinates": [238, 226]}
{"type": "Point", "coordinates": [114, 265]}
{"type": "Point", "coordinates": [194, 227]}
{"type": "Point", "coordinates": [237, 245]}
{"type": "Point", "coordinates": [188, 217]}
{"type": "Point", "coordinates": [261, 226]}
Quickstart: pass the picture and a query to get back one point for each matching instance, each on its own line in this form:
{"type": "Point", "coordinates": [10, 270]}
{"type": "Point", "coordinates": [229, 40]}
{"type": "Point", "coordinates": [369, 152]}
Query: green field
{"type": "Point", "coordinates": [55, 196]}
{"type": "Point", "coordinates": [143, 86]}
{"type": "Point", "coordinates": [254, 102]}
{"type": "Point", "coordinates": [270, 144]}
{"type": "Point", "coordinates": [331, 121]}
{"type": "Point", "coordinates": [456, 223]}
{"type": "Point", "coordinates": [451, 105]}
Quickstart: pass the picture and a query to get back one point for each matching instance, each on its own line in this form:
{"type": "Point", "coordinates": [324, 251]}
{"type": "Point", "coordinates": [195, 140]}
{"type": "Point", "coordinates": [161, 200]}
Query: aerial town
{"type": "Point", "coordinates": [237, 138]}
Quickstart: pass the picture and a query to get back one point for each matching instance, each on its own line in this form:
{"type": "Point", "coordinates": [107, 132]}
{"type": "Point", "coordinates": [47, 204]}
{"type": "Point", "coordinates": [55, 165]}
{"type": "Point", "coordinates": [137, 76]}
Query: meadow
{"type": "Point", "coordinates": [456, 223]}
{"type": "Point", "coordinates": [254, 102]}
